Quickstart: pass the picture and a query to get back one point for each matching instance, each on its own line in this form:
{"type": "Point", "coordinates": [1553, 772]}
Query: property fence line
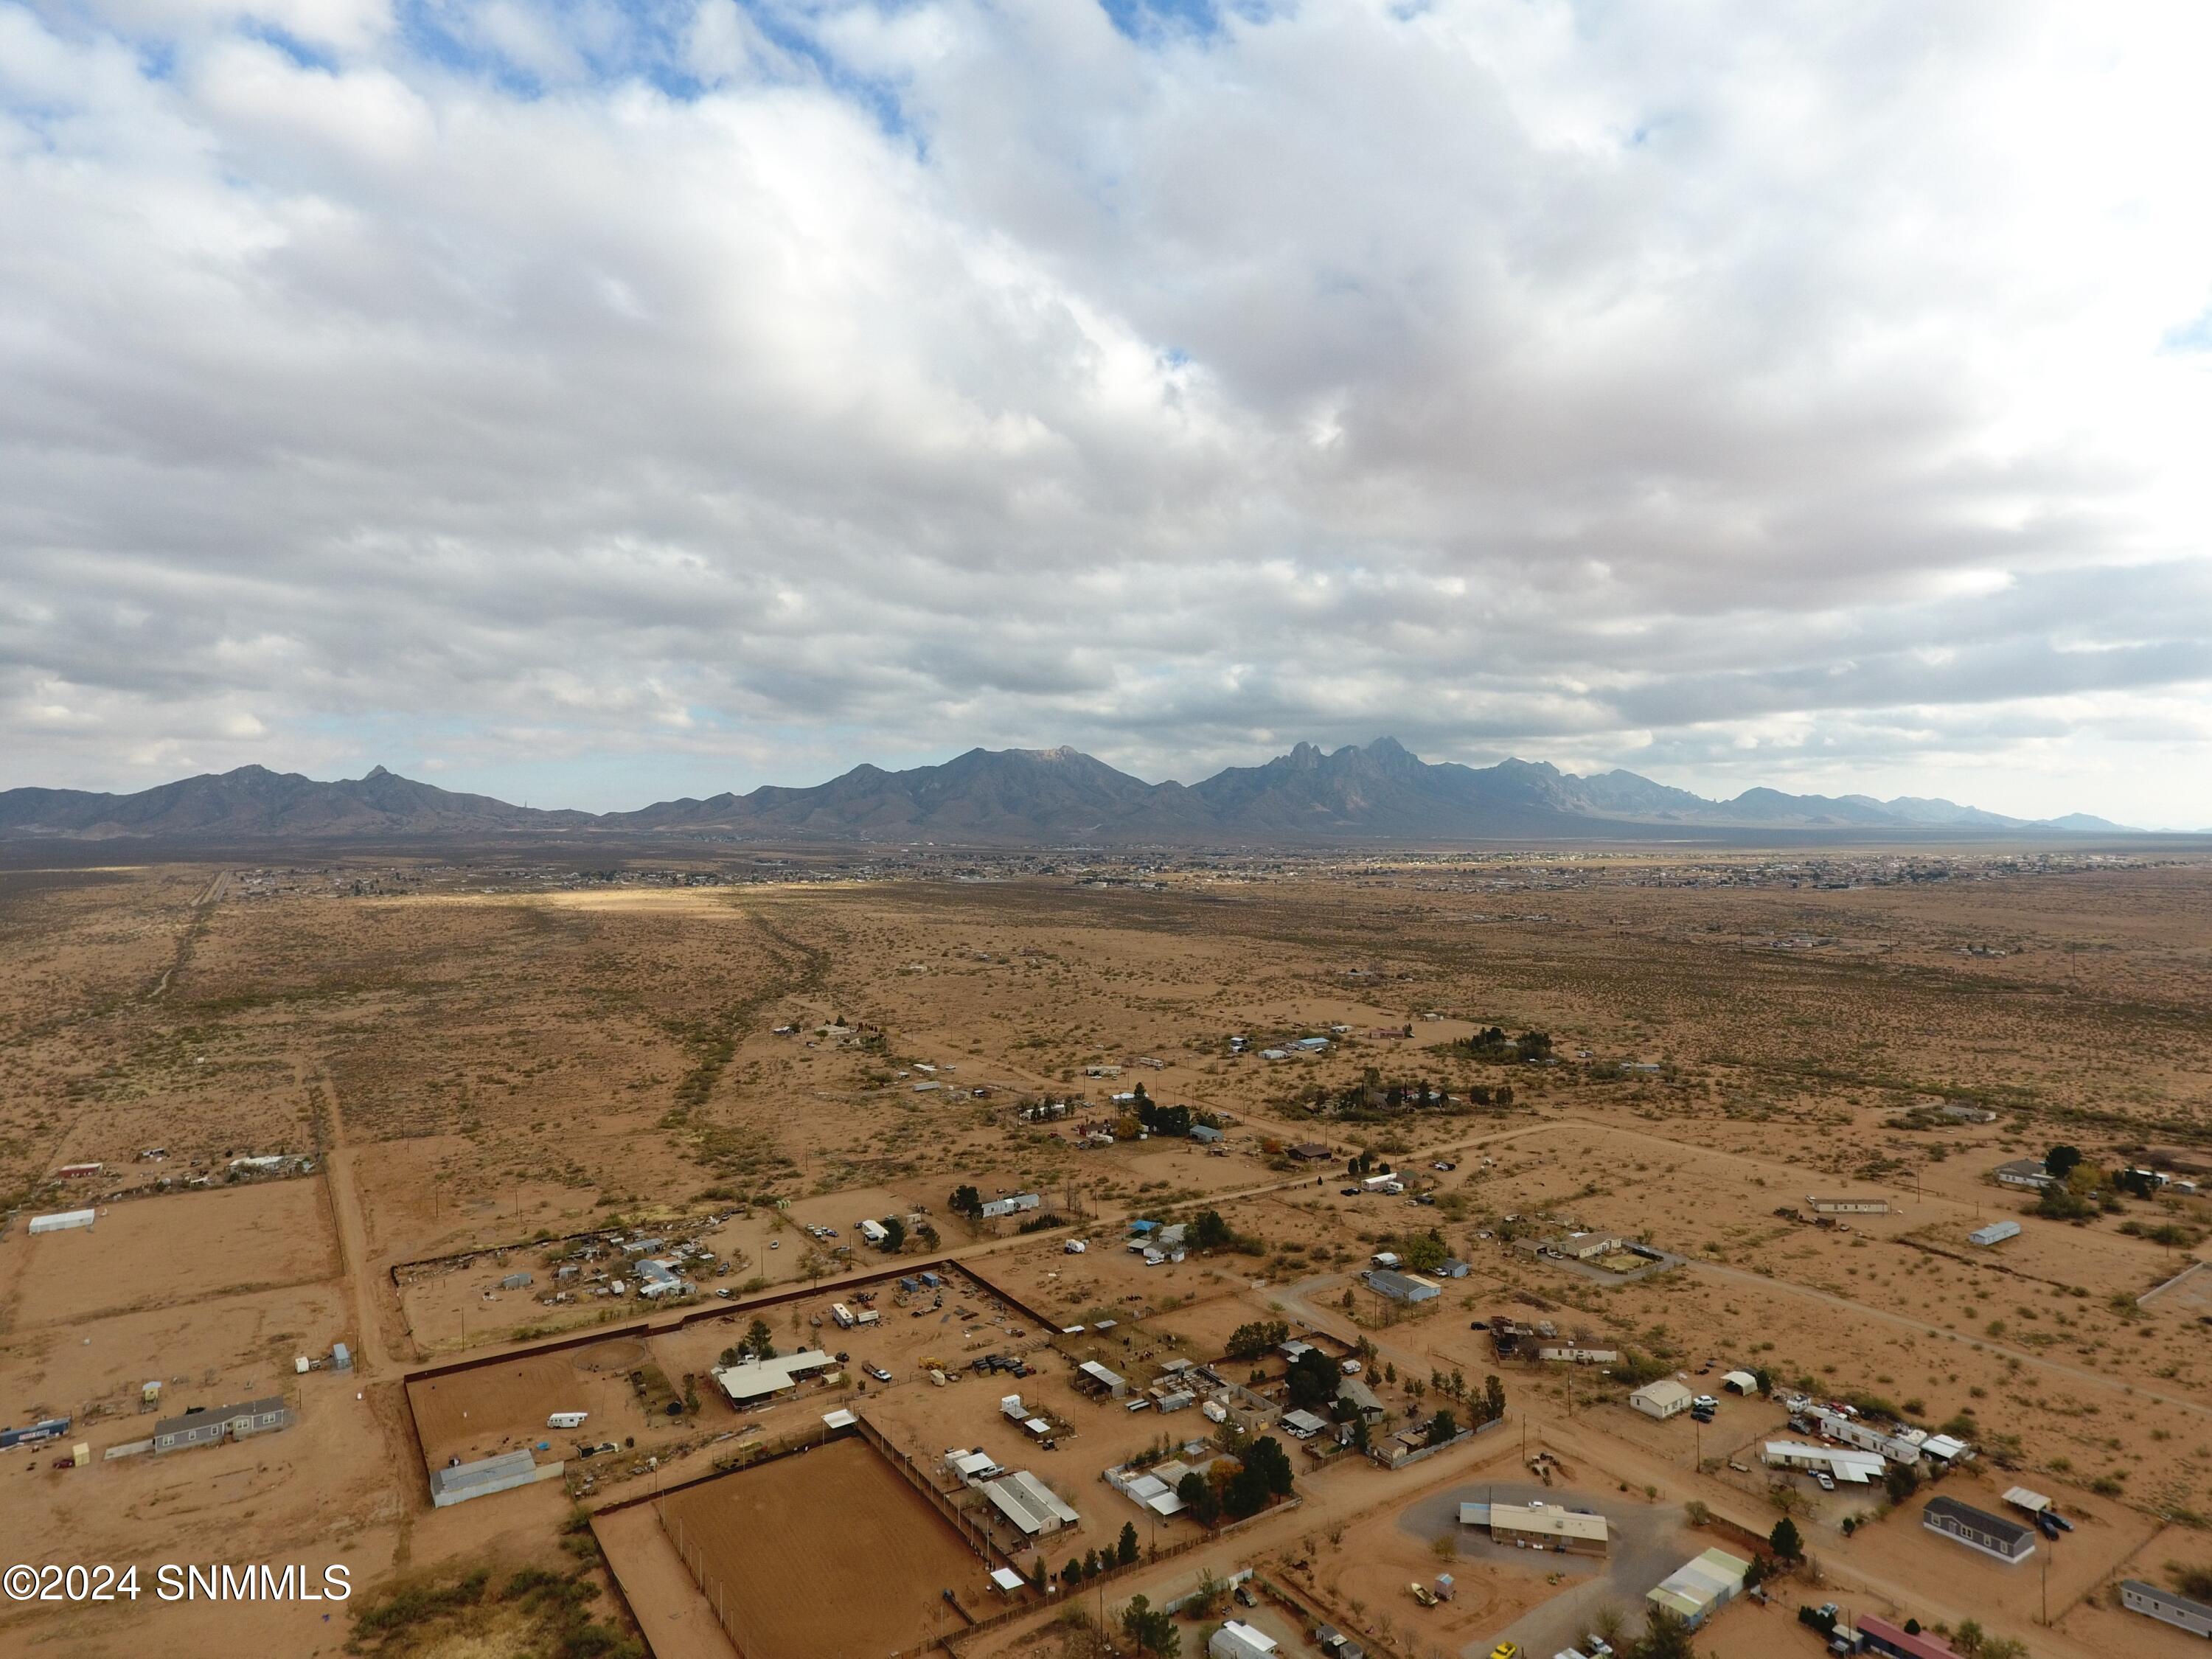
{"type": "Point", "coordinates": [695, 1563]}
{"type": "Point", "coordinates": [978, 1537]}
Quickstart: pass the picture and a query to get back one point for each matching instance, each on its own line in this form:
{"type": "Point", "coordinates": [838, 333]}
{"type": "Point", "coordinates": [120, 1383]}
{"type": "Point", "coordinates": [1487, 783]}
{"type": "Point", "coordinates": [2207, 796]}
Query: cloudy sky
{"type": "Point", "coordinates": [594, 403]}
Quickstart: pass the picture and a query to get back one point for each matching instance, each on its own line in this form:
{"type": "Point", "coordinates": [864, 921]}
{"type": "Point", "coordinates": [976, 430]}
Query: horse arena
{"type": "Point", "coordinates": [825, 1553]}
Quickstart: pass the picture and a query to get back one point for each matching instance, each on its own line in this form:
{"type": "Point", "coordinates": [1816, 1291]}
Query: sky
{"type": "Point", "coordinates": [594, 403]}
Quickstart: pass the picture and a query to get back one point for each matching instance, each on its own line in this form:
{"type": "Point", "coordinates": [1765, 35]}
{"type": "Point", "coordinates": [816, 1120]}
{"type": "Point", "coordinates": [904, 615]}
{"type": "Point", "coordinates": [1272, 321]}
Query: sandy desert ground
{"type": "Point", "coordinates": [488, 1063]}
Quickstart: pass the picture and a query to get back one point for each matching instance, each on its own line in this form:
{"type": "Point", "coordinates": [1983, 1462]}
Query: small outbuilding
{"type": "Point", "coordinates": [62, 1220]}
{"type": "Point", "coordinates": [1698, 1589]}
{"type": "Point", "coordinates": [1662, 1400]}
{"type": "Point", "coordinates": [1239, 1640]}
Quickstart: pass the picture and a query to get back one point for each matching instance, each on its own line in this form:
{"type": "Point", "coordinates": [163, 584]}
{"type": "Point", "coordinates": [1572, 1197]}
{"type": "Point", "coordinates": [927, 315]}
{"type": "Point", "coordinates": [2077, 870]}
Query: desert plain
{"type": "Point", "coordinates": [433, 1105]}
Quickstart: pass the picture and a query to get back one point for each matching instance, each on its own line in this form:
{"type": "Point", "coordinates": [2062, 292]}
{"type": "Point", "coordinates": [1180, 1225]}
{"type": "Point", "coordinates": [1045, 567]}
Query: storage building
{"type": "Point", "coordinates": [1978, 1530]}
{"type": "Point", "coordinates": [875, 1232]}
{"type": "Point", "coordinates": [1699, 1588]}
{"type": "Point", "coordinates": [62, 1220]}
{"type": "Point", "coordinates": [1239, 1640]}
{"type": "Point", "coordinates": [1741, 1383]}
{"type": "Point", "coordinates": [2195, 1617]}
{"type": "Point", "coordinates": [1662, 1400]}
{"type": "Point", "coordinates": [456, 1483]}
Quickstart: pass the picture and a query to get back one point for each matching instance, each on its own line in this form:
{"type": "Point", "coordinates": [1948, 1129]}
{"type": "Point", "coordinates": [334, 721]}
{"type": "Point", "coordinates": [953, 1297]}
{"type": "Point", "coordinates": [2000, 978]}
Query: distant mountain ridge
{"type": "Point", "coordinates": [1378, 793]}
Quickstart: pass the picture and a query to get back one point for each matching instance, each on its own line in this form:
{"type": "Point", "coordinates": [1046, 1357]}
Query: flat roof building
{"type": "Point", "coordinates": [1821, 1205]}
{"type": "Point", "coordinates": [1995, 1233]}
{"type": "Point", "coordinates": [1978, 1530]}
{"type": "Point", "coordinates": [1549, 1525]}
{"type": "Point", "coordinates": [1855, 1468]}
{"type": "Point", "coordinates": [1402, 1287]}
{"type": "Point", "coordinates": [62, 1220]}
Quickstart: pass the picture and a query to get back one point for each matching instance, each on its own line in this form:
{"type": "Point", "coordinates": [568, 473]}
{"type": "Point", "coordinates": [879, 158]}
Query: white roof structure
{"type": "Point", "coordinates": [1006, 1581]}
{"type": "Point", "coordinates": [1546, 1520]}
{"type": "Point", "coordinates": [1696, 1588]}
{"type": "Point", "coordinates": [1945, 1447]}
{"type": "Point", "coordinates": [1857, 1467]}
{"type": "Point", "coordinates": [1305, 1425]}
{"type": "Point", "coordinates": [1742, 1382]}
{"type": "Point", "coordinates": [756, 1379]}
{"type": "Point", "coordinates": [972, 1465]}
{"type": "Point", "coordinates": [1029, 1503]}
{"type": "Point", "coordinates": [62, 1220]}
{"type": "Point", "coordinates": [839, 1419]}
{"type": "Point", "coordinates": [1111, 1381]}
{"type": "Point", "coordinates": [2034, 1502]}
{"type": "Point", "coordinates": [1239, 1640]}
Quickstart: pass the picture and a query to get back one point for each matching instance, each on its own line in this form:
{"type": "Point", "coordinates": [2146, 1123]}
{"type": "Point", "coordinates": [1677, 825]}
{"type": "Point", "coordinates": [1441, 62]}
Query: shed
{"type": "Point", "coordinates": [1205, 1133]}
{"type": "Point", "coordinates": [1007, 1581]}
{"type": "Point", "coordinates": [1662, 1400]}
{"type": "Point", "coordinates": [1740, 1383]}
{"type": "Point", "coordinates": [1101, 1381]}
{"type": "Point", "coordinates": [749, 1380]}
{"type": "Point", "coordinates": [1698, 1589]}
{"type": "Point", "coordinates": [458, 1482]}
{"type": "Point", "coordinates": [62, 1220]}
{"type": "Point", "coordinates": [1302, 1425]}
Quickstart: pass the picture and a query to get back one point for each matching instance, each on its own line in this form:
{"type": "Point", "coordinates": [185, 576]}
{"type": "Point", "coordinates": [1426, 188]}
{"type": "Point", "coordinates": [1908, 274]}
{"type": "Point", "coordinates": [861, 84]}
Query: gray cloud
{"type": "Point", "coordinates": [580, 402]}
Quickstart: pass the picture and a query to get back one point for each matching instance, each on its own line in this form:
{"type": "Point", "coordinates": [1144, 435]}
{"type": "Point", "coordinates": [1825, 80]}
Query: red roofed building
{"type": "Point", "coordinates": [1882, 1637]}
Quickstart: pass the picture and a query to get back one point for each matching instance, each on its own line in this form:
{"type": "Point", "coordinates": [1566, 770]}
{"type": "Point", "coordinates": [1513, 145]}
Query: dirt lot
{"type": "Point", "coordinates": [170, 1252]}
{"type": "Point", "coordinates": [827, 1551]}
{"type": "Point", "coordinates": [498, 1407]}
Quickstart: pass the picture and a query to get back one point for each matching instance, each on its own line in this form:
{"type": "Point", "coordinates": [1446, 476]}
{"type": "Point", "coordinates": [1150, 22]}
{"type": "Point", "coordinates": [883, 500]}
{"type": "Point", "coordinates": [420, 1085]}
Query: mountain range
{"type": "Point", "coordinates": [1377, 793]}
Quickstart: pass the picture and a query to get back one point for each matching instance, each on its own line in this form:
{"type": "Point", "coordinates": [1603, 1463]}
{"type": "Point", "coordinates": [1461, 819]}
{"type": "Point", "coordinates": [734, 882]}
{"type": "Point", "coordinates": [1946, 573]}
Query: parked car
{"type": "Point", "coordinates": [1826, 1481]}
{"type": "Point", "coordinates": [877, 1372]}
{"type": "Point", "coordinates": [1348, 1192]}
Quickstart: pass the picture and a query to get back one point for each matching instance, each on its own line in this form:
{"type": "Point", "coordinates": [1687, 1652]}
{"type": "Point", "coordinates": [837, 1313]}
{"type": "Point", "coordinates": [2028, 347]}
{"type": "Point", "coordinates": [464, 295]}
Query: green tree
{"type": "Point", "coordinates": [760, 1341]}
{"type": "Point", "coordinates": [1199, 1498]}
{"type": "Point", "coordinates": [1149, 1632]}
{"type": "Point", "coordinates": [1313, 1380]}
{"type": "Point", "coordinates": [1125, 1550]}
{"type": "Point", "coordinates": [893, 1235]}
{"type": "Point", "coordinates": [1785, 1541]}
{"type": "Point", "coordinates": [1494, 1398]}
{"type": "Point", "coordinates": [1072, 1574]}
{"type": "Point", "coordinates": [1442, 1427]}
{"type": "Point", "coordinates": [1900, 1481]}
{"type": "Point", "coordinates": [1210, 1233]}
{"type": "Point", "coordinates": [966, 1200]}
{"type": "Point", "coordinates": [1422, 1253]}
{"type": "Point", "coordinates": [1252, 1341]}
{"type": "Point", "coordinates": [2060, 1161]}
{"type": "Point", "coordinates": [1666, 1636]}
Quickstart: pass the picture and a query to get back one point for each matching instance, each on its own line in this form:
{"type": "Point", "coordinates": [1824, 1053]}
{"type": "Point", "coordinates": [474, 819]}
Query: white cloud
{"type": "Point", "coordinates": [1745, 393]}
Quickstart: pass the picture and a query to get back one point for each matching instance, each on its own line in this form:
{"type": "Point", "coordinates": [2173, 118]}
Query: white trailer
{"type": "Point", "coordinates": [842, 1315]}
{"type": "Point", "coordinates": [567, 1419]}
{"type": "Point", "coordinates": [868, 1316]}
{"type": "Point", "coordinates": [62, 1220]}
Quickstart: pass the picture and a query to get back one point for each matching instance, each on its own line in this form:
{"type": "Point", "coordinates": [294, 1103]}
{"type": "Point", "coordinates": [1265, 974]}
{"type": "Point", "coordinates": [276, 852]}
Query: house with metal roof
{"type": "Point", "coordinates": [2164, 1605]}
{"type": "Point", "coordinates": [751, 1379]}
{"type": "Point", "coordinates": [1402, 1287]}
{"type": "Point", "coordinates": [209, 1428]}
{"type": "Point", "coordinates": [1035, 1508]}
{"type": "Point", "coordinates": [1978, 1530]}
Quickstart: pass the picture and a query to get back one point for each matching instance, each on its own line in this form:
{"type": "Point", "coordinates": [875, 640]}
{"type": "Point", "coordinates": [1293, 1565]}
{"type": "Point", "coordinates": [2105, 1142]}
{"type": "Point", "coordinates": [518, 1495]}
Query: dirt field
{"type": "Point", "coordinates": [170, 1252]}
{"type": "Point", "coordinates": [498, 1407]}
{"type": "Point", "coordinates": [830, 1552]}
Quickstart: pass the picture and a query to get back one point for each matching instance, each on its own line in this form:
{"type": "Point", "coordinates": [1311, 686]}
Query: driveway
{"type": "Point", "coordinates": [1649, 1542]}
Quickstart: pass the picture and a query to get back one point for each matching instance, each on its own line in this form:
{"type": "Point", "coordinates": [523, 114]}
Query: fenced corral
{"type": "Point", "coordinates": [979, 1536]}
{"type": "Point", "coordinates": [829, 1547]}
